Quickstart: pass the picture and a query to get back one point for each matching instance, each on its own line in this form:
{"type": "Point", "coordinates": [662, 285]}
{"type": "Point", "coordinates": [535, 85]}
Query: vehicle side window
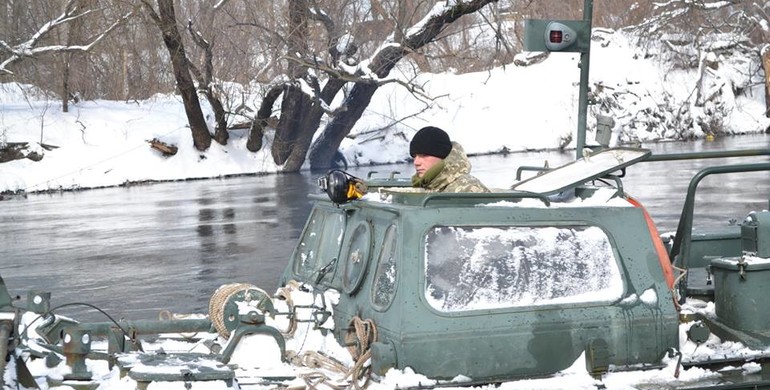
{"type": "Point", "coordinates": [471, 268]}
{"type": "Point", "coordinates": [357, 258]}
{"type": "Point", "coordinates": [384, 286]}
{"type": "Point", "coordinates": [320, 242]}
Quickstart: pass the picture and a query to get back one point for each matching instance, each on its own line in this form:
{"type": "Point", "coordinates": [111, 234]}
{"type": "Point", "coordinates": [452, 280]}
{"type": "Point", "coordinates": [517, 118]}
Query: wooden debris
{"type": "Point", "coordinates": [12, 151]}
{"type": "Point", "coordinates": [240, 126]}
{"type": "Point", "coordinates": [166, 149]}
{"type": "Point", "coordinates": [530, 58]}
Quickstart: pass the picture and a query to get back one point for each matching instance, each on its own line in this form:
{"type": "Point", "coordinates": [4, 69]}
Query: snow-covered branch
{"type": "Point", "coordinates": [312, 89]}
{"type": "Point", "coordinates": [667, 12]}
{"type": "Point", "coordinates": [422, 33]}
{"type": "Point", "coordinates": [219, 4]}
{"type": "Point", "coordinates": [28, 48]}
{"type": "Point", "coordinates": [705, 5]}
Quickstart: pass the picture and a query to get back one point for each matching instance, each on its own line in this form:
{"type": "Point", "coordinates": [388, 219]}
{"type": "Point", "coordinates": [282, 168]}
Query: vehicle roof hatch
{"type": "Point", "coordinates": [580, 171]}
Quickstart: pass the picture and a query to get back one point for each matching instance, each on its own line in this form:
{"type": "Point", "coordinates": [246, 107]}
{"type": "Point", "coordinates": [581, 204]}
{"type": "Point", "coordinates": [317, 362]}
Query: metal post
{"type": "Point", "coordinates": [588, 10]}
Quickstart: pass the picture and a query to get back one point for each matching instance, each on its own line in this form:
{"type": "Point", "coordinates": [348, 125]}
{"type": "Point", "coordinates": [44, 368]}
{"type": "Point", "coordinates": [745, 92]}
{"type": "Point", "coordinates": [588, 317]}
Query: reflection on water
{"type": "Point", "coordinates": [136, 251]}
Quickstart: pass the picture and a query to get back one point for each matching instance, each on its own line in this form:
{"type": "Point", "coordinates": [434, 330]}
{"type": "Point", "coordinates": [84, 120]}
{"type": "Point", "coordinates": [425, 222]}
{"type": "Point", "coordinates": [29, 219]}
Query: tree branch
{"type": "Point", "coordinates": [28, 49]}
{"type": "Point", "coordinates": [353, 78]}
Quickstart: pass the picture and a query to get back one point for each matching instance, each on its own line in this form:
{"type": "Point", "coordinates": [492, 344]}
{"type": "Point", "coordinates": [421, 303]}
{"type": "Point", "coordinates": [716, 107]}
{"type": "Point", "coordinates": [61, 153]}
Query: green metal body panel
{"type": "Point", "coordinates": [705, 246]}
{"type": "Point", "coordinates": [754, 234]}
{"type": "Point", "coordinates": [498, 343]}
{"type": "Point", "coordinates": [740, 290]}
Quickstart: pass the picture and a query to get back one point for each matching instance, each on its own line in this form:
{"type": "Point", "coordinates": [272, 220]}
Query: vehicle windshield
{"type": "Point", "coordinates": [472, 268]}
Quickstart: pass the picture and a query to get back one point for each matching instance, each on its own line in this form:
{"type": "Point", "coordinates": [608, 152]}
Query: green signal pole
{"type": "Point", "coordinates": [588, 8]}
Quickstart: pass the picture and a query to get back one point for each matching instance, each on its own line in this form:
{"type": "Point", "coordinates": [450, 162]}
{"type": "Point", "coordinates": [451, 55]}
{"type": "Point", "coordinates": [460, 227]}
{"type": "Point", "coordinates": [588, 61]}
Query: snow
{"type": "Point", "coordinates": [603, 197]}
{"type": "Point", "coordinates": [551, 181]}
{"type": "Point", "coordinates": [104, 143]}
{"type": "Point", "coordinates": [747, 260]}
{"type": "Point", "coordinates": [649, 297]}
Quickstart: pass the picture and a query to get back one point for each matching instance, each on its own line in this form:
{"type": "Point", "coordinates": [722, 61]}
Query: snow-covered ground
{"type": "Point", "coordinates": [258, 356]}
{"type": "Point", "coordinates": [104, 143]}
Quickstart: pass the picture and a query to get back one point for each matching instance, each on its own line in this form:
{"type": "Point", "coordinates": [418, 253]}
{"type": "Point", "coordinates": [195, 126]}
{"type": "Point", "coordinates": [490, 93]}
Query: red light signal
{"type": "Point", "coordinates": [555, 36]}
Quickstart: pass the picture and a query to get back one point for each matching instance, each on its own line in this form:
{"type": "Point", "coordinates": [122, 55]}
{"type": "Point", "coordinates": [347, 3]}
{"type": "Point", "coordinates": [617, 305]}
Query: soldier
{"type": "Point", "coordinates": [441, 164]}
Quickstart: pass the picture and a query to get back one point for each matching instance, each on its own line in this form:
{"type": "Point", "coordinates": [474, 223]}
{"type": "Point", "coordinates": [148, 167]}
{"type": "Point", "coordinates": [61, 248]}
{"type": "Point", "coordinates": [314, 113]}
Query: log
{"type": "Point", "coordinates": [12, 152]}
{"type": "Point", "coordinates": [16, 151]}
{"type": "Point", "coordinates": [166, 149]}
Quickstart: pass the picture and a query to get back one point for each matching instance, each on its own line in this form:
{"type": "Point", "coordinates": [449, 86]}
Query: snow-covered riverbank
{"type": "Point", "coordinates": [104, 143]}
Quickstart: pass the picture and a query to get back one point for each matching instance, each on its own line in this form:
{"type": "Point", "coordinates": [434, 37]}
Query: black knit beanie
{"type": "Point", "coordinates": [431, 141]}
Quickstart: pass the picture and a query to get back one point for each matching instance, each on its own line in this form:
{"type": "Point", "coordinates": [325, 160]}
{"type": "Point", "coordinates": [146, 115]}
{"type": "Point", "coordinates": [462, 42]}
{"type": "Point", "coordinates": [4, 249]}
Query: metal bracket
{"type": "Point", "coordinates": [251, 324]}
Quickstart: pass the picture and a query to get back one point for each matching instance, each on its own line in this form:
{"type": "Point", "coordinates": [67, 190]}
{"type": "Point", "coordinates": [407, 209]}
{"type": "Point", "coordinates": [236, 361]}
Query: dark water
{"type": "Point", "coordinates": [139, 250]}
{"type": "Point", "coordinates": [662, 186]}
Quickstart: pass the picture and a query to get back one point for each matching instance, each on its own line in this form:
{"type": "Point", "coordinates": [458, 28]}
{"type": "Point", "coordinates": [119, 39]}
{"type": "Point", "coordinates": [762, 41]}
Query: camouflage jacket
{"type": "Point", "coordinates": [456, 177]}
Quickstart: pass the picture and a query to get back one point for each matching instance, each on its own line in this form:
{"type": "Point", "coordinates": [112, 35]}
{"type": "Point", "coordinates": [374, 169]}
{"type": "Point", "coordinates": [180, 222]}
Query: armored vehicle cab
{"type": "Point", "coordinates": [514, 283]}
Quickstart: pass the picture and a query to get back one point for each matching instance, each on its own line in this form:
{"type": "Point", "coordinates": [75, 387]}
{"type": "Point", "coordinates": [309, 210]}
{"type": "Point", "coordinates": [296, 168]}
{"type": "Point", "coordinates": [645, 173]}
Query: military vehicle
{"type": "Point", "coordinates": [516, 283]}
{"type": "Point", "coordinates": [462, 288]}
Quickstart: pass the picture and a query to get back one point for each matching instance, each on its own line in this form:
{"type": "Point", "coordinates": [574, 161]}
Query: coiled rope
{"type": "Point", "coordinates": [219, 300]}
{"type": "Point", "coordinates": [359, 341]}
{"type": "Point", "coordinates": [674, 293]}
{"type": "Point", "coordinates": [360, 335]}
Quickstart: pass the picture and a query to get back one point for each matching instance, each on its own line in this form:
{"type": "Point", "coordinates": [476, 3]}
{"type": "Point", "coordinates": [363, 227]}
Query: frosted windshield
{"type": "Point", "coordinates": [472, 268]}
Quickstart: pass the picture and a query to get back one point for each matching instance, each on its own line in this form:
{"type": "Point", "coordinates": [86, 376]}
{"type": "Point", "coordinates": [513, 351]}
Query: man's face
{"type": "Point", "coordinates": [423, 162]}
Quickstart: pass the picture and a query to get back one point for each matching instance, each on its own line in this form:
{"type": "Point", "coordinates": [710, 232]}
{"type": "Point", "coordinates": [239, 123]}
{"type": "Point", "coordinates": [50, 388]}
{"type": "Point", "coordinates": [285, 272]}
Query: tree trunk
{"type": "Point", "coordinates": [220, 133]}
{"type": "Point", "coordinates": [311, 123]}
{"type": "Point", "coordinates": [192, 106]}
{"type": "Point", "coordinates": [73, 33]}
{"type": "Point", "coordinates": [65, 81]}
{"type": "Point", "coordinates": [294, 108]}
{"type": "Point", "coordinates": [204, 83]}
{"type": "Point", "coordinates": [324, 148]}
{"type": "Point", "coordinates": [296, 103]}
{"type": "Point", "coordinates": [254, 143]}
{"type": "Point", "coordinates": [766, 66]}
{"type": "Point", "coordinates": [124, 73]}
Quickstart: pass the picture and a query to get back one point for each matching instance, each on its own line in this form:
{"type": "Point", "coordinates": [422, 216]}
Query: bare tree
{"type": "Point", "coordinates": [295, 104]}
{"type": "Point", "coordinates": [165, 19]}
{"type": "Point", "coordinates": [378, 66]}
{"type": "Point", "coordinates": [315, 80]}
{"type": "Point", "coordinates": [31, 48]}
{"type": "Point", "coordinates": [206, 84]}
{"type": "Point", "coordinates": [314, 64]}
{"type": "Point", "coordinates": [72, 17]}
